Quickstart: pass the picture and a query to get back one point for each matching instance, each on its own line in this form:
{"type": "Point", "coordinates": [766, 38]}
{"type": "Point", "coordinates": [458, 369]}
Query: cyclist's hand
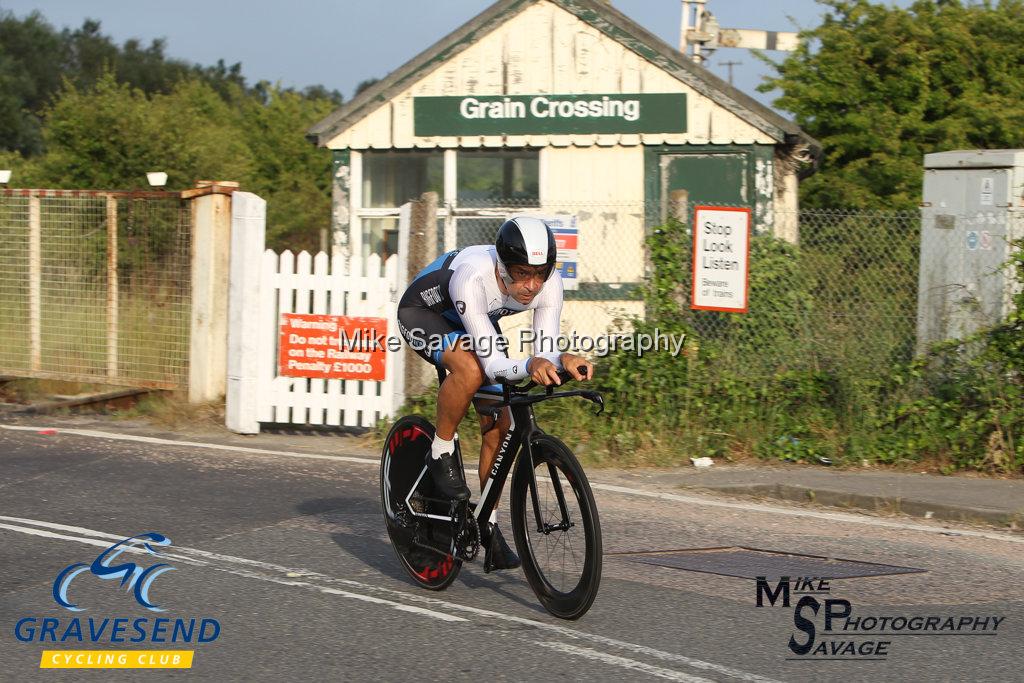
{"type": "Point", "coordinates": [571, 362]}
{"type": "Point", "coordinates": [543, 371]}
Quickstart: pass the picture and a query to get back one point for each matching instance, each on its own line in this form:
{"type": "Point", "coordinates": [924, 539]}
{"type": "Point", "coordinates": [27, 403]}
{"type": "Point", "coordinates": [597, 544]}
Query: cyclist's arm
{"type": "Point", "coordinates": [467, 287]}
{"type": "Point", "coordinates": [546, 320]}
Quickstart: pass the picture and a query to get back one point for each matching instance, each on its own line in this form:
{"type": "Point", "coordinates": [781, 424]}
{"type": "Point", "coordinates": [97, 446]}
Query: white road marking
{"type": "Point", "coordinates": [624, 662]}
{"type": "Point", "coordinates": [239, 572]}
{"type": "Point", "coordinates": [98, 543]}
{"type": "Point", "coordinates": [196, 444]}
{"type": "Point", "coordinates": [706, 501]}
{"type": "Point", "coordinates": [310, 580]}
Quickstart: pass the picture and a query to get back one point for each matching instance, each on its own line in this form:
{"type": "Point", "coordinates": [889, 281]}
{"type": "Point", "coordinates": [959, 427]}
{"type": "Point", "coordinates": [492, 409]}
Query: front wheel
{"type": "Point", "coordinates": [562, 552]}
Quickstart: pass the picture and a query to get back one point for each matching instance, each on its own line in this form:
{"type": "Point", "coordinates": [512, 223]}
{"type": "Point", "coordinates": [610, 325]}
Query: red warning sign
{"type": "Point", "coordinates": [332, 347]}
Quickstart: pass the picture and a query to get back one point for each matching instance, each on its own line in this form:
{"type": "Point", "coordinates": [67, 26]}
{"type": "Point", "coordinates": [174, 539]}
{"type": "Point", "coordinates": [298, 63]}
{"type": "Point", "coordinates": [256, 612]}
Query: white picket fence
{"type": "Point", "coordinates": [265, 285]}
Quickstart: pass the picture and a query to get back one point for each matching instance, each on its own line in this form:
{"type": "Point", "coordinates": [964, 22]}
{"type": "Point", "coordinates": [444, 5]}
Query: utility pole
{"type": "Point", "coordinates": [730, 64]}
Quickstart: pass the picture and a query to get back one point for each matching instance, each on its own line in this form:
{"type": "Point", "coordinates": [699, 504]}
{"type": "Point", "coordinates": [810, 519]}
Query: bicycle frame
{"type": "Point", "coordinates": [517, 444]}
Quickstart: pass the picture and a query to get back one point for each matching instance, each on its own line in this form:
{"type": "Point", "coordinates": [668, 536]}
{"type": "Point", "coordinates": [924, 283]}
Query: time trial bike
{"type": "Point", "coordinates": [554, 517]}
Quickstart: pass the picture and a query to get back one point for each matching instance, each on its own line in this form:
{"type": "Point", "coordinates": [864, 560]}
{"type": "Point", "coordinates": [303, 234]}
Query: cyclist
{"type": "Point", "coordinates": [449, 316]}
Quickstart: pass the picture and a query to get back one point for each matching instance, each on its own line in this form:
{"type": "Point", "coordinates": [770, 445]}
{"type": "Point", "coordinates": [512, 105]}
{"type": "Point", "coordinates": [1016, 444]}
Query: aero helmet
{"type": "Point", "coordinates": [525, 240]}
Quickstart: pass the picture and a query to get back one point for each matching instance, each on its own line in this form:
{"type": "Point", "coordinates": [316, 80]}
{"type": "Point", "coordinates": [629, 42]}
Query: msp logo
{"type": "Point", "coordinates": [137, 579]}
{"type": "Point", "coordinates": [827, 628]}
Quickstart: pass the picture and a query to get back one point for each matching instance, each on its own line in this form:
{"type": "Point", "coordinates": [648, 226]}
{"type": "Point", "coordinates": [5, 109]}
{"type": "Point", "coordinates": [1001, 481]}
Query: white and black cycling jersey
{"type": "Point", "coordinates": [461, 287]}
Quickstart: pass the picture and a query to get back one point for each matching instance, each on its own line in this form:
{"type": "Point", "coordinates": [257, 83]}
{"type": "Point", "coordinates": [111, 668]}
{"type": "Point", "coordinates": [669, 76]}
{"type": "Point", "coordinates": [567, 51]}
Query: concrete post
{"type": "Point", "coordinates": [211, 247]}
{"type": "Point", "coordinates": [248, 239]}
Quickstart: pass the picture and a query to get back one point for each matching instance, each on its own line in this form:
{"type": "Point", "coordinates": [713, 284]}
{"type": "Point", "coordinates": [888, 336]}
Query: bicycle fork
{"type": "Point", "coordinates": [542, 526]}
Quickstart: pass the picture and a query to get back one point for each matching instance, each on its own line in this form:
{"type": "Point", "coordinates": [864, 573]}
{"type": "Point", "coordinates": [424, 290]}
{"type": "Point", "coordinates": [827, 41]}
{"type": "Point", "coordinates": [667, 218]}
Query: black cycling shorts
{"type": "Point", "coordinates": [429, 333]}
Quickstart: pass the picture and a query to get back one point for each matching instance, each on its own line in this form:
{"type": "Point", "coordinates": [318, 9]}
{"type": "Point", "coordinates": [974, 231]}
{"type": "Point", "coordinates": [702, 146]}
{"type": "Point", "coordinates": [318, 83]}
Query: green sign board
{"type": "Point", "coordinates": [549, 114]}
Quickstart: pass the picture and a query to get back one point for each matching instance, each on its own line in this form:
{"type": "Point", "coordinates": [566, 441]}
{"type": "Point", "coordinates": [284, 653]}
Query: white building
{"type": "Point", "coordinates": [560, 107]}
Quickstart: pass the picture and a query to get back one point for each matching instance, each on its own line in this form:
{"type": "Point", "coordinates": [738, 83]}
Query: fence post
{"type": "Point", "coordinates": [248, 239]}
{"type": "Point", "coordinates": [211, 245]}
{"type": "Point", "coordinates": [112, 293]}
{"type": "Point", "coordinates": [35, 280]}
{"type": "Point", "coordinates": [422, 228]}
{"type": "Point", "coordinates": [679, 206]}
{"type": "Point", "coordinates": [787, 211]}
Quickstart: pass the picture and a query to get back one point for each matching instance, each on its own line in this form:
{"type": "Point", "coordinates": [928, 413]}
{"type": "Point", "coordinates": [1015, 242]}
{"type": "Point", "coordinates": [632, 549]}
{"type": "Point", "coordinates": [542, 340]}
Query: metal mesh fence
{"type": "Point", "coordinates": [828, 288]}
{"type": "Point", "coordinates": [95, 287]}
{"type": "Point", "coordinates": [845, 294]}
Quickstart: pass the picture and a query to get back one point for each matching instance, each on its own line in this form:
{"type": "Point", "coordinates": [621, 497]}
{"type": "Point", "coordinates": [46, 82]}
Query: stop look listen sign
{"type": "Point", "coordinates": [721, 258]}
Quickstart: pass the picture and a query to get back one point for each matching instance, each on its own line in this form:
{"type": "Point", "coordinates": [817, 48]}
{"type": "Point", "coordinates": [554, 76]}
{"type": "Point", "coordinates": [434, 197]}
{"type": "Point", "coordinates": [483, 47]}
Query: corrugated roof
{"type": "Point", "coordinates": [601, 16]}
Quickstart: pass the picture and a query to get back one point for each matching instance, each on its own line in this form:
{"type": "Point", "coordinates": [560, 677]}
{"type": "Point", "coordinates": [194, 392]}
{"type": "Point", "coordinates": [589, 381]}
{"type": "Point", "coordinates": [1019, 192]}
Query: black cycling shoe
{"type": "Point", "coordinates": [447, 475]}
{"type": "Point", "coordinates": [498, 554]}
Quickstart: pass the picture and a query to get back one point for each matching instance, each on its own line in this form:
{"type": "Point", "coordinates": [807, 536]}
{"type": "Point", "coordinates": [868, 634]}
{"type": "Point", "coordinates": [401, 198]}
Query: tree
{"type": "Point", "coordinates": [109, 136]}
{"type": "Point", "coordinates": [880, 86]}
{"type": "Point", "coordinates": [30, 72]}
{"type": "Point", "coordinates": [291, 174]}
{"type": "Point", "coordinates": [35, 59]}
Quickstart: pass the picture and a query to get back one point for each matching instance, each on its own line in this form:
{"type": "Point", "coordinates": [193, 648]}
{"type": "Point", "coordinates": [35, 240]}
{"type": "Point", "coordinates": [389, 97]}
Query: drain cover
{"type": "Point", "coordinates": [750, 563]}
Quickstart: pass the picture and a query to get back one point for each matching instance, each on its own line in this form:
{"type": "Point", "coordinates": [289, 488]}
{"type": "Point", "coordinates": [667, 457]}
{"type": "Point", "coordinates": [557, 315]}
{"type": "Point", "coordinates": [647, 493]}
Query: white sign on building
{"type": "Point", "coordinates": [721, 258]}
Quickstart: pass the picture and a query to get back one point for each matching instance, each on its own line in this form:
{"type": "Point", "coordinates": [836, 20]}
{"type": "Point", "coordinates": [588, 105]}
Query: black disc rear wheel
{"type": "Point", "coordinates": [417, 540]}
{"type": "Point", "coordinates": [562, 555]}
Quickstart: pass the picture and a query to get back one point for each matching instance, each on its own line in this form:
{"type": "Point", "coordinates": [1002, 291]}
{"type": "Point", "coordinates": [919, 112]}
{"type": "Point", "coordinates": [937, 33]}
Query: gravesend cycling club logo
{"type": "Point", "coordinates": [137, 577]}
{"type": "Point", "coordinates": [827, 628]}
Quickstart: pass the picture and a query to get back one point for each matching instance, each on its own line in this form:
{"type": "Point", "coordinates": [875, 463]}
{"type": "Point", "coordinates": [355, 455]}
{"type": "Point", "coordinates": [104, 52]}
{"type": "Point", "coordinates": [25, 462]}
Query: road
{"type": "Point", "coordinates": [287, 552]}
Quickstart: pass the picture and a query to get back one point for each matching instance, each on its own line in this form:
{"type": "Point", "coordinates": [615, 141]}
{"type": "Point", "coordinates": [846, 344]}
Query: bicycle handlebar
{"type": "Point", "coordinates": [519, 395]}
{"type": "Point", "coordinates": [563, 377]}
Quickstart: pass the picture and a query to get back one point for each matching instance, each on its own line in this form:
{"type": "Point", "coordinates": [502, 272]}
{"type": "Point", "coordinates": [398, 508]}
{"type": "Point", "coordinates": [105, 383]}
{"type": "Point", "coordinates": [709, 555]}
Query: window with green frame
{"type": "Point", "coordinates": [498, 177]}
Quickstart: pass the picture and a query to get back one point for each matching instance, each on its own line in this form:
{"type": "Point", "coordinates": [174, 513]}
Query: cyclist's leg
{"type": "Point", "coordinates": [492, 432]}
{"type": "Point", "coordinates": [435, 339]}
{"type": "Point", "coordinates": [491, 436]}
{"type": "Point", "coordinates": [464, 379]}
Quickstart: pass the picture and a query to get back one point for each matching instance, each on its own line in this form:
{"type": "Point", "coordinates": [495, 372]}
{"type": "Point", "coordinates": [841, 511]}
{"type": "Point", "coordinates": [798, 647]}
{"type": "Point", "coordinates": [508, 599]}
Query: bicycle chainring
{"type": "Point", "coordinates": [467, 540]}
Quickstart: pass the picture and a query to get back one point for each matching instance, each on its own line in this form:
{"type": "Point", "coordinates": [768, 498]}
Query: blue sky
{"type": "Point", "coordinates": [339, 43]}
